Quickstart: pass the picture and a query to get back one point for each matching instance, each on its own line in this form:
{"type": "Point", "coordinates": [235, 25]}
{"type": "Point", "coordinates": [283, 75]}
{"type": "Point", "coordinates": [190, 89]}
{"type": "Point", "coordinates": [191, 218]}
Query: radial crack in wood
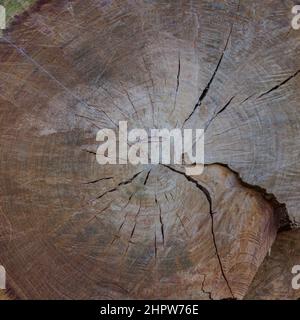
{"type": "Point", "coordinates": [71, 228]}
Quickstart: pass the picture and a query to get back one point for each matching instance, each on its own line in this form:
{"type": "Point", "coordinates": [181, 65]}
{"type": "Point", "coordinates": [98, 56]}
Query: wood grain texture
{"type": "Point", "coordinates": [274, 277]}
{"type": "Point", "coordinates": [73, 229]}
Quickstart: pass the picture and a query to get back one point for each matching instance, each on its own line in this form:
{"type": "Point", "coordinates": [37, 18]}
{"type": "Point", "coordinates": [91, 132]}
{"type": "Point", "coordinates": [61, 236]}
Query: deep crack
{"type": "Point", "coordinates": [204, 291]}
{"type": "Point", "coordinates": [120, 184]}
{"type": "Point", "coordinates": [205, 91]}
{"type": "Point", "coordinates": [178, 82]}
{"type": "Point", "coordinates": [161, 221]}
{"type": "Point", "coordinates": [147, 177]}
{"type": "Point", "coordinates": [280, 210]}
{"type": "Point", "coordinates": [211, 213]}
{"type": "Point", "coordinates": [218, 113]}
{"type": "Point", "coordinates": [95, 181]}
{"type": "Point", "coordinates": [280, 84]}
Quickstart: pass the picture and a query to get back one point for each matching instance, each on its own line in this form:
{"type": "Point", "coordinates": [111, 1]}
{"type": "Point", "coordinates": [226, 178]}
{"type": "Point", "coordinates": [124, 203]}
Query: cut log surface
{"type": "Point", "coordinates": [274, 277]}
{"type": "Point", "coordinates": [73, 229]}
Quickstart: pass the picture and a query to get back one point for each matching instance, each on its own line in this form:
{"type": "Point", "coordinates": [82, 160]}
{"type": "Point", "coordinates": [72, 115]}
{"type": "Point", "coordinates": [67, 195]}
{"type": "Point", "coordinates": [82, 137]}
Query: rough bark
{"type": "Point", "coordinates": [71, 228]}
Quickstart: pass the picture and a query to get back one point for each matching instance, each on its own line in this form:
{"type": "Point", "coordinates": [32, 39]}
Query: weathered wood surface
{"type": "Point", "coordinates": [274, 277]}
{"type": "Point", "coordinates": [72, 67]}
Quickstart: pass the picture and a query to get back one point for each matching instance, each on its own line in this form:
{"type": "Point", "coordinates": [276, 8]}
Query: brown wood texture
{"type": "Point", "coordinates": [73, 229]}
{"type": "Point", "coordinates": [274, 277]}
